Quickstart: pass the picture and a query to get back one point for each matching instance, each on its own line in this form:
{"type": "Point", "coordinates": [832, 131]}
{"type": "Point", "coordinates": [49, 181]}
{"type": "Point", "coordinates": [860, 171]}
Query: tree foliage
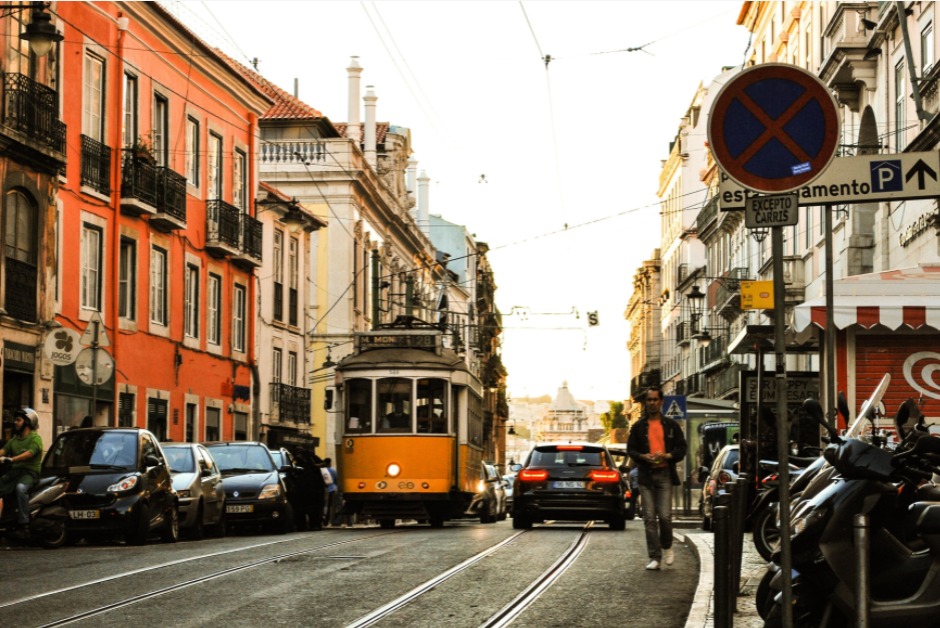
{"type": "Point", "coordinates": [614, 418]}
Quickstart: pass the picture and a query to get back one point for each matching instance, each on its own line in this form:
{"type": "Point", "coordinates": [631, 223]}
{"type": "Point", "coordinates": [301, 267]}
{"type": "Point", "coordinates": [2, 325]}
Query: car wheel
{"type": "Point", "coordinates": [139, 528]}
{"type": "Point", "coordinates": [486, 514]}
{"type": "Point", "coordinates": [71, 538]}
{"type": "Point", "coordinates": [219, 529]}
{"type": "Point", "coordinates": [287, 520]}
{"type": "Point", "coordinates": [617, 522]}
{"type": "Point", "coordinates": [630, 513]}
{"type": "Point", "coordinates": [387, 524]}
{"type": "Point", "coordinates": [766, 533]}
{"type": "Point", "coordinates": [521, 523]}
{"type": "Point", "coordinates": [171, 525]}
{"type": "Point", "coordinates": [198, 531]}
{"type": "Point", "coordinates": [54, 536]}
{"type": "Point", "coordinates": [437, 522]}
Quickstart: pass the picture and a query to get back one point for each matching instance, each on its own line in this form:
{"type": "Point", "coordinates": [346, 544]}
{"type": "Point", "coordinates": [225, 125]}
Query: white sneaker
{"type": "Point", "coordinates": [668, 556]}
{"type": "Point", "coordinates": [654, 564]}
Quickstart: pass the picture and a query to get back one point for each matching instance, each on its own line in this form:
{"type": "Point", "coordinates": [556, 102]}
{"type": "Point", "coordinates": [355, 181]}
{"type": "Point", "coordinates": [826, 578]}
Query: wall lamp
{"type": "Point", "coordinates": [40, 33]}
{"type": "Point", "coordinates": [294, 217]}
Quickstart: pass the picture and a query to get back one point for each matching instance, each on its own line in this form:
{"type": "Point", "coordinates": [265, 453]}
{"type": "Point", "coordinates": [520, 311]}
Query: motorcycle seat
{"type": "Point", "coordinates": [927, 516]}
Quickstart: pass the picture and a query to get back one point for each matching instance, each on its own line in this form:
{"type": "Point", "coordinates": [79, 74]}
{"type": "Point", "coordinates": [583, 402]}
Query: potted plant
{"type": "Point", "coordinates": [142, 149]}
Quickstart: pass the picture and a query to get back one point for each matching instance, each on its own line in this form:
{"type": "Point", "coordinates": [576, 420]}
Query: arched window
{"type": "Point", "coordinates": [20, 254]}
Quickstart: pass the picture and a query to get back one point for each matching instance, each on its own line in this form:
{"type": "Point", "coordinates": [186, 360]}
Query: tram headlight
{"type": "Point", "coordinates": [393, 470]}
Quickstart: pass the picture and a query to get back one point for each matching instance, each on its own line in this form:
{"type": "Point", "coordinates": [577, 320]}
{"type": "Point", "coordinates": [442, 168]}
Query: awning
{"type": "Point", "coordinates": [893, 298]}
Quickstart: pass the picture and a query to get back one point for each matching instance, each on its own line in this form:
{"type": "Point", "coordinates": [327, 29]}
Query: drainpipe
{"type": "Point", "coordinates": [122, 25]}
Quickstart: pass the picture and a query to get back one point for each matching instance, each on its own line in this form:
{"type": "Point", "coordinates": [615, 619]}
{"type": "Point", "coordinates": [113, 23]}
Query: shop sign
{"type": "Point", "coordinates": [17, 357]}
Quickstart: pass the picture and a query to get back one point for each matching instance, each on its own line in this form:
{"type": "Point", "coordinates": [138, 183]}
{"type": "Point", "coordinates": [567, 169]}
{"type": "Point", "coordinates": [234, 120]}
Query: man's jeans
{"type": "Point", "coordinates": [657, 504]}
{"type": "Point", "coordinates": [22, 503]}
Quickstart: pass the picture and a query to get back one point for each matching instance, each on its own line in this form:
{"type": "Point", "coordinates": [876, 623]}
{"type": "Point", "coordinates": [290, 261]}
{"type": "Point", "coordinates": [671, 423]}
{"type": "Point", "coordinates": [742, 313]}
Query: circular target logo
{"type": "Point", "coordinates": [920, 371]}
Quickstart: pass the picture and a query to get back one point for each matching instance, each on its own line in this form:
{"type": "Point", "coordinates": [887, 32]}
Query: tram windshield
{"type": "Point", "coordinates": [402, 406]}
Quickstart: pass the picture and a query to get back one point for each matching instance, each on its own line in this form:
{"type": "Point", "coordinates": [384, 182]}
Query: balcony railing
{"type": "Point", "coordinates": [252, 233]}
{"type": "Point", "coordinates": [292, 152]}
{"type": "Point", "coordinates": [32, 109]}
{"type": "Point", "coordinates": [223, 224]}
{"type": "Point", "coordinates": [138, 180]}
{"type": "Point", "coordinates": [290, 404]}
{"type": "Point", "coordinates": [708, 214]}
{"type": "Point", "coordinates": [20, 295]}
{"type": "Point", "coordinates": [96, 165]}
{"type": "Point", "coordinates": [171, 194]}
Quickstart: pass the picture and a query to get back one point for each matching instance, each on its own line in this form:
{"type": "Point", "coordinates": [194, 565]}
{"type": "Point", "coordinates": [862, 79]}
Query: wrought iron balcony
{"type": "Point", "coordinates": [154, 190]}
{"type": "Point", "coordinates": [20, 296]}
{"type": "Point", "coordinates": [250, 246]}
{"type": "Point", "coordinates": [171, 200]}
{"type": "Point", "coordinates": [289, 404]}
{"type": "Point", "coordinates": [223, 228]}
{"type": "Point", "coordinates": [96, 165]}
{"type": "Point", "coordinates": [30, 115]}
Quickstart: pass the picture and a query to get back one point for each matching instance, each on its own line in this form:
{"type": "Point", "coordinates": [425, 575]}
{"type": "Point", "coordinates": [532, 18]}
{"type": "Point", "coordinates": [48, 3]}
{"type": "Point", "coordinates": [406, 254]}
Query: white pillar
{"type": "Point", "coordinates": [370, 99]}
{"type": "Point", "coordinates": [411, 182]}
{"type": "Point", "coordinates": [424, 219]}
{"type": "Point", "coordinates": [353, 130]}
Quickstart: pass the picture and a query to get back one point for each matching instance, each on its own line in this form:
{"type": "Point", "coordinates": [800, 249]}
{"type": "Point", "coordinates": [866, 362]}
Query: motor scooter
{"type": "Point", "coordinates": [892, 488]}
{"type": "Point", "coordinates": [47, 514]}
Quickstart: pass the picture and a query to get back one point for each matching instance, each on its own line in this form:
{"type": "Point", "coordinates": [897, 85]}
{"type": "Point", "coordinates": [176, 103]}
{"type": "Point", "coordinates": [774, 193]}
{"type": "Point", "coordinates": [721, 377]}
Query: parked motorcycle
{"type": "Point", "coordinates": [893, 489]}
{"type": "Point", "coordinates": [47, 514]}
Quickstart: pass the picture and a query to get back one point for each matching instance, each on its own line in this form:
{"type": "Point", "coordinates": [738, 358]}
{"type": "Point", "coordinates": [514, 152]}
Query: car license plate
{"type": "Point", "coordinates": [238, 509]}
{"type": "Point", "coordinates": [567, 484]}
{"type": "Point", "coordinates": [85, 514]}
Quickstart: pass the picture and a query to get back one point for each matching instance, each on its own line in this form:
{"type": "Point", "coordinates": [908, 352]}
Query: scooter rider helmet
{"type": "Point", "coordinates": [30, 416]}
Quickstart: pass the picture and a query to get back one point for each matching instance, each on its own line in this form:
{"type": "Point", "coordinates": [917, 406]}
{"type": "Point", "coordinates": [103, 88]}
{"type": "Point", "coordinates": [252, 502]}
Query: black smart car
{"type": "Point", "coordinates": [254, 490]}
{"type": "Point", "coordinates": [119, 482]}
{"type": "Point", "coordinates": [568, 481]}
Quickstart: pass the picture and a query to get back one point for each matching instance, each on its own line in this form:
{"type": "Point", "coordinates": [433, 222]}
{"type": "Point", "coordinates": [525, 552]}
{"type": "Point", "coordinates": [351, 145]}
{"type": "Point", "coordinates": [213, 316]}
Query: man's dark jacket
{"type": "Point", "coordinates": [639, 443]}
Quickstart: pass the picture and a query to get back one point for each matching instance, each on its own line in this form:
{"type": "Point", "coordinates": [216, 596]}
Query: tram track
{"type": "Point", "coordinates": [509, 612]}
{"type": "Point", "coordinates": [105, 608]}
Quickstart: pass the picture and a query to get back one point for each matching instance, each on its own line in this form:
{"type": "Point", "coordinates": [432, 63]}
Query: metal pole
{"type": "Point", "coordinates": [783, 423]}
{"type": "Point", "coordinates": [740, 496]}
{"type": "Point", "coordinates": [94, 373]}
{"type": "Point", "coordinates": [722, 604]}
{"type": "Point", "coordinates": [830, 324]}
{"type": "Point", "coordinates": [862, 583]}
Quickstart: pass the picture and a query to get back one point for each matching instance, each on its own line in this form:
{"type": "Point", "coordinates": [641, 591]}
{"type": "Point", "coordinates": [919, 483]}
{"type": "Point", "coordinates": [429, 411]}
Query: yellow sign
{"type": "Point", "coordinates": [757, 295]}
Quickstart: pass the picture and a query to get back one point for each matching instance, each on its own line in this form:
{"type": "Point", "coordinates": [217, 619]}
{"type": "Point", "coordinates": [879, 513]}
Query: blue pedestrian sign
{"type": "Point", "coordinates": [774, 128]}
{"type": "Point", "coordinates": [674, 407]}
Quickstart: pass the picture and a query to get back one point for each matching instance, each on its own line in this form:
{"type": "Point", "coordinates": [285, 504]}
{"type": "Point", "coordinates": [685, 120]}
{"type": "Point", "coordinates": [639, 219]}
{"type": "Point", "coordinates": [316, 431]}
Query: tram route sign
{"type": "Point", "coordinates": [414, 339]}
{"type": "Point", "coordinates": [774, 128]}
{"type": "Point", "coordinates": [861, 179]}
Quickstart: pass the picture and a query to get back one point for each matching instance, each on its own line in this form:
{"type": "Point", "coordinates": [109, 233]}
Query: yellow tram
{"type": "Point", "coordinates": [412, 424]}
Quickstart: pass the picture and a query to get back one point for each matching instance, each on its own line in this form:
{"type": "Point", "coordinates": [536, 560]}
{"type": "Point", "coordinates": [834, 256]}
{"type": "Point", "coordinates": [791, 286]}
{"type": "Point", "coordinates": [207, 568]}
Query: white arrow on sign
{"type": "Point", "coordinates": [89, 335]}
{"type": "Point", "coordinates": [862, 179]}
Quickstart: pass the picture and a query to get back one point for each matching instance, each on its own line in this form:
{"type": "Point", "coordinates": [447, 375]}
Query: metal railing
{"type": "Point", "coordinates": [252, 233]}
{"type": "Point", "coordinates": [171, 193]}
{"type": "Point", "coordinates": [290, 403]}
{"type": "Point", "coordinates": [32, 109]}
{"type": "Point", "coordinates": [223, 222]}
{"type": "Point", "coordinates": [96, 165]}
{"type": "Point", "coordinates": [20, 296]}
{"type": "Point", "coordinates": [138, 179]}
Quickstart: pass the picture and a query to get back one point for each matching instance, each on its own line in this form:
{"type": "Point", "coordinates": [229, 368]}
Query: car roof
{"type": "Point", "coordinates": [215, 443]}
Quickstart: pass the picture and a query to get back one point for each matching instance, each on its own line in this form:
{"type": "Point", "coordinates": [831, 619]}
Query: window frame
{"type": "Point", "coordinates": [192, 151]}
{"type": "Point", "coordinates": [191, 302]}
{"type": "Point", "coordinates": [90, 287]}
{"type": "Point", "coordinates": [159, 262]}
{"type": "Point", "coordinates": [214, 309]}
{"type": "Point", "coordinates": [160, 133]}
{"type": "Point", "coordinates": [94, 96]}
{"type": "Point", "coordinates": [127, 279]}
{"type": "Point", "coordinates": [130, 121]}
{"type": "Point", "coordinates": [239, 317]}
{"type": "Point", "coordinates": [214, 166]}
{"type": "Point", "coordinates": [240, 179]}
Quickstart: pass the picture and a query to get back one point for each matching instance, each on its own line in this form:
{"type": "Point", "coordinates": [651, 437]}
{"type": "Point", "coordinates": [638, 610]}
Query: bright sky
{"type": "Point", "coordinates": [556, 167]}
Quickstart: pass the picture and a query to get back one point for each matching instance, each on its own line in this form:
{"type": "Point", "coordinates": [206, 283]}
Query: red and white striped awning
{"type": "Point", "coordinates": [894, 298]}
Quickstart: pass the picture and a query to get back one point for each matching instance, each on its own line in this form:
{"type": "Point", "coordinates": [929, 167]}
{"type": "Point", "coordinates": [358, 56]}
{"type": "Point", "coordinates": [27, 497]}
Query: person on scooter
{"type": "Point", "coordinates": [24, 450]}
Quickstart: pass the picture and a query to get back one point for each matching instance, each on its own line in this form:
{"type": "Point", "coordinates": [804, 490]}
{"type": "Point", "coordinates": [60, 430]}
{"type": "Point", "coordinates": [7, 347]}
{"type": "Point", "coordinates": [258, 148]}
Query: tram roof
{"type": "Point", "coordinates": [403, 357]}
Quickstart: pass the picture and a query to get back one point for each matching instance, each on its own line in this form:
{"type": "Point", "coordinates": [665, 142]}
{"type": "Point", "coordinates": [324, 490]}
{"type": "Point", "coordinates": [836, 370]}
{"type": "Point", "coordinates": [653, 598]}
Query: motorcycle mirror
{"type": "Point", "coordinates": [843, 405]}
{"type": "Point", "coordinates": [901, 418]}
{"type": "Point", "coordinates": [814, 409]}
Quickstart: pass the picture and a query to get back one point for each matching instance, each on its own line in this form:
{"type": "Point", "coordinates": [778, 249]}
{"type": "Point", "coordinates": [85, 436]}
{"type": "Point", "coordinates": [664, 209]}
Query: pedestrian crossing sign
{"type": "Point", "coordinates": [674, 407]}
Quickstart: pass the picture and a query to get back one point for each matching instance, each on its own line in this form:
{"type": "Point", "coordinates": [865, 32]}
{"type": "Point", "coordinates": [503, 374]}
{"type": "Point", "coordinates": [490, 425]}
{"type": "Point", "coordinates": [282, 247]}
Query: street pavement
{"type": "Point", "coordinates": [701, 615]}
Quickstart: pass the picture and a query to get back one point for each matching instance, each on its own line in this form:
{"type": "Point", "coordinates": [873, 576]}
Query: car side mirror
{"type": "Point", "coordinates": [299, 469]}
{"type": "Point", "coordinates": [516, 467]}
{"type": "Point", "coordinates": [286, 468]}
{"type": "Point", "coordinates": [151, 461]}
{"type": "Point", "coordinates": [206, 472]}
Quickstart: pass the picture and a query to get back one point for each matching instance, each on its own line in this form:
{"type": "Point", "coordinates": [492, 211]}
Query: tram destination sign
{"type": "Point", "coordinates": [392, 340]}
{"type": "Point", "coordinates": [861, 179]}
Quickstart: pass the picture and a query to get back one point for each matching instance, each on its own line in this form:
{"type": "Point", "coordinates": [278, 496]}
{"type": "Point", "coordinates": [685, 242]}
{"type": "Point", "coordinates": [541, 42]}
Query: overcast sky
{"type": "Point", "coordinates": [554, 166]}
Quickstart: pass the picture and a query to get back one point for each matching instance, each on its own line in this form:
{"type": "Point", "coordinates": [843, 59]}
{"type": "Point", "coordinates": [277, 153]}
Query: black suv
{"type": "Point", "coordinates": [119, 481]}
{"type": "Point", "coordinates": [568, 481]}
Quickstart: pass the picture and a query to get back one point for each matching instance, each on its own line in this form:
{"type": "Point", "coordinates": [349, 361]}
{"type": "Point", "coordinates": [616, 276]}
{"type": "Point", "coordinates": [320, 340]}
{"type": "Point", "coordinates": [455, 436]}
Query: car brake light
{"type": "Point", "coordinates": [627, 494]}
{"type": "Point", "coordinates": [569, 447]}
{"type": "Point", "coordinates": [533, 475]}
{"type": "Point", "coordinates": [601, 475]}
{"type": "Point", "coordinates": [724, 477]}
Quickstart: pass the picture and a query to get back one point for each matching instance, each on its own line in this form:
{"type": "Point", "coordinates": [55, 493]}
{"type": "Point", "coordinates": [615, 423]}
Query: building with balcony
{"type": "Point", "coordinates": [155, 229]}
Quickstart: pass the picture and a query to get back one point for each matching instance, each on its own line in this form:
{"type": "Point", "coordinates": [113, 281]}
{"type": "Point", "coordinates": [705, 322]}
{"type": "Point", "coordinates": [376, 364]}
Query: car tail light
{"type": "Point", "coordinates": [724, 477]}
{"type": "Point", "coordinates": [533, 475]}
{"type": "Point", "coordinates": [627, 494]}
{"type": "Point", "coordinates": [569, 447]}
{"type": "Point", "coordinates": [601, 475]}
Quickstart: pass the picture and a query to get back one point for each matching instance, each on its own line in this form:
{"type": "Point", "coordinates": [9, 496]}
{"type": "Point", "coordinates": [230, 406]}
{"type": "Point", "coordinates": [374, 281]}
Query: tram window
{"type": "Point", "coordinates": [394, 404]}
{"type": "Point", "coordinates": [431, 406]}
{"type": "Point", "coordinates": [359, 407]}
{"type": "Point", "coordinates": [474, 419]}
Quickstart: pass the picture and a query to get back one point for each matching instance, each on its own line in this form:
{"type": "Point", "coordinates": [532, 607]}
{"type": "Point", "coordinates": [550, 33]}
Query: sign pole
{"type": "Point", "coordinates": [783, 422]}
{"type": "Point", "coordinates": [94, 370]}
{"type": "Point", "coordinates": [830, 324]}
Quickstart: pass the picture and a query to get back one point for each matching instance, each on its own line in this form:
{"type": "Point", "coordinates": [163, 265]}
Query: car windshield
{"type": "Point", "coordinates": [242, 458]}
{"type": "Point", "coordinates": [104, 450]}
{"type": "Point", "coordinates": [731, 459]}
{"type": "Point", "coordinates": [181, 459]}
{"type": "Point", "coordinates": [279, 460]}
{"type": "Point", "coordinates": [556, 457]}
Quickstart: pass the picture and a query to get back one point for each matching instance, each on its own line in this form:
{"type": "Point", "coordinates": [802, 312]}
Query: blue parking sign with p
{"type": "Point", "coordinates": [886, 176]}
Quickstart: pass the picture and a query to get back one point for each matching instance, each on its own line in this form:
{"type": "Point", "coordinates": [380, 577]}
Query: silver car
{"type": "Point", "coordinates": [198, 482]}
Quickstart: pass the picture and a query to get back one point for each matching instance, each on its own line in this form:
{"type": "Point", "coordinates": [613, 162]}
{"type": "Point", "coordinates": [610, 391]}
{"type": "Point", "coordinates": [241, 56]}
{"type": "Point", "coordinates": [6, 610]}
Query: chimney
{"type": "Point", "coordinates": [424, 220]}
{"type": "Point", "coordinates": [370, 99]}
{"type": "Point", "coordinates": [353, 131]}
{"type": "Point", "coordinates": [411, 176]}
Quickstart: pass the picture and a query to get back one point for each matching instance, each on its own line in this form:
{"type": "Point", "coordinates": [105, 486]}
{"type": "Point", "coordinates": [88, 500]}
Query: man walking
{"type": "Point", "coordinates": [656, 444]}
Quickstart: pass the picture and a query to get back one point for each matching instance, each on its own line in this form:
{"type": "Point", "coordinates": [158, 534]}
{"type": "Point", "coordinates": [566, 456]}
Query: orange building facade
{"type": "Point", "coordinates": [156, 234]}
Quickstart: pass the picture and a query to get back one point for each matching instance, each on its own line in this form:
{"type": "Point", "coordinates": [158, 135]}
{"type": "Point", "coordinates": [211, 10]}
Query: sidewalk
{"type": "Point", "coordinates": [701, 615]}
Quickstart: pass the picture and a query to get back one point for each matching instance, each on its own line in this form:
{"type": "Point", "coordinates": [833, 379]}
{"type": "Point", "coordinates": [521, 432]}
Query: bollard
{"type": "Point", "coordinates": [739, 514]}
{"type": "Point", "coordinates": [862, 573]}
{"type": "Point", "coordinates": [723, 594]}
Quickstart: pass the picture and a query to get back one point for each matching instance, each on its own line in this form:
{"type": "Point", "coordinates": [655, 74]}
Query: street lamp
{"type": "Point", "coordinates": [40, 33]}
{"type": "Point", "coordinates": [294, 217]}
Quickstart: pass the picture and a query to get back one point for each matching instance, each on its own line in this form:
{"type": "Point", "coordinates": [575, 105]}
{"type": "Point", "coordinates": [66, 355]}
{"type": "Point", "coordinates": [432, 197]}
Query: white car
{"type": "Point", "coordinates": [198, 482]}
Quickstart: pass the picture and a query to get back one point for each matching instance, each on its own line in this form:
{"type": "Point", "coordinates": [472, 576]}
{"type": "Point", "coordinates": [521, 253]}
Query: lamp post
{"type": "Point", "coordinates": [40, 33]}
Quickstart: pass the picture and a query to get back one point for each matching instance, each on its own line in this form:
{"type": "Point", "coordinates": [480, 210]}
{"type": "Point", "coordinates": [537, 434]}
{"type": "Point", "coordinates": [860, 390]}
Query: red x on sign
{"type": "Point", "coordinates": [773, 128]}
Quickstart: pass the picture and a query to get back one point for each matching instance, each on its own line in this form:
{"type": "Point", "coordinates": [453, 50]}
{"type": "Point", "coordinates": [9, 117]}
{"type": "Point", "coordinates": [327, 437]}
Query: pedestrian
{"type": "Point", "coordinates": [311, 487]}
{"type": "Point", "coordinates": [331, 488]}
{"type": "Point", "coordinates": [655, 445]}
